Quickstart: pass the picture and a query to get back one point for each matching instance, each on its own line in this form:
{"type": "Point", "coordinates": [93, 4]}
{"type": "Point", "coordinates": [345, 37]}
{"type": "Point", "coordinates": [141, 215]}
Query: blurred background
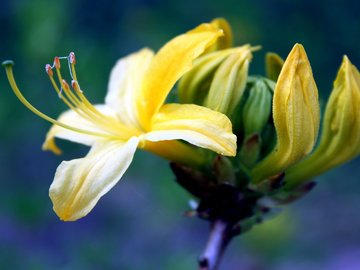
{"type": "Point", "coordinates": [139, 224]}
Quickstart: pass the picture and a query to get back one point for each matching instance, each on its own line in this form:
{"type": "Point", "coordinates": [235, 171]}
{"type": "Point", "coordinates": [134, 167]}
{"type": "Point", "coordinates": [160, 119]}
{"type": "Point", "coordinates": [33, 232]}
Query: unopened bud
{"type": "Point", "coordinates": [194, 85]}
{"type": "Point", "coordinates": [257, 108]}
{"type": "Point", "coordinates": [228, 84]}
{"type": "Point", "coordinates": [224, 170]}
{"type": "Point", "coordinates": [296, 116]}
{"type": "Point", "coordinates": [217, 80]}
{"type": "Point", "coordinates": [340, 138]}
{"type": "Point", "coordinates": [250, 150]}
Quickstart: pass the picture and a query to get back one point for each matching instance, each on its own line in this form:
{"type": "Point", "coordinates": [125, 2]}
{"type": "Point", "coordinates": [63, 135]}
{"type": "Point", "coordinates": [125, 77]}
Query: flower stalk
{"type": "Point", "coordinates": [219, 238]}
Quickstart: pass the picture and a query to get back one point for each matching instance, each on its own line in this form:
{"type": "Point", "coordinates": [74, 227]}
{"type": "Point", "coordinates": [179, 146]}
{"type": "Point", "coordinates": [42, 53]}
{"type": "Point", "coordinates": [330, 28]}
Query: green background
{"type": "Point", "coordinates": [139, 224]}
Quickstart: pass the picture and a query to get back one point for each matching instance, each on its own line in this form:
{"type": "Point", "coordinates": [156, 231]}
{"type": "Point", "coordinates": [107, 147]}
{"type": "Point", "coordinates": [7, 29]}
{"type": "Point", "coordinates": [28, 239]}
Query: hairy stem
{"type": "Point", "coordinates": [219, 238]}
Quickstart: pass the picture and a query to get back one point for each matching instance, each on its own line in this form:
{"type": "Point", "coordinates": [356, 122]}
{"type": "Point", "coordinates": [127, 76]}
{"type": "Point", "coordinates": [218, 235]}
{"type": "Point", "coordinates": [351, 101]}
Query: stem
{"type": "Point", "coordinates": [219, 238]}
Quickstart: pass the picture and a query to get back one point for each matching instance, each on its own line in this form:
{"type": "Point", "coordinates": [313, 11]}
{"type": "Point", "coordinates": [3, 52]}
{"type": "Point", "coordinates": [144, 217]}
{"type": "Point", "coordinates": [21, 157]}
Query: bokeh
{"type": "Point", "coordinates": [140, 223]}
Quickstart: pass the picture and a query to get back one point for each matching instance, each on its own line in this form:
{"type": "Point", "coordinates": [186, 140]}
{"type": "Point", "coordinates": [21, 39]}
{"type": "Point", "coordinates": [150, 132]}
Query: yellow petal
{"type": "Point", "coordinates": [340, 138]}
{"type": "Point", "coordinates": [295, 113]}
{"type": "Point", "coordinates": [197, 125]}
{"type": "Point", "coordinates": [79, 183]}
{"type": "Point", "coordinates": [224, 42]}
{"type": "Point", "coordinates": [71, 118]}
{"type": "Point", "coordinates": [176, 151]}
{"type": "Point", "coordinates": [125, 84]}
{"type": "Point", "coordinates": [170, 63]}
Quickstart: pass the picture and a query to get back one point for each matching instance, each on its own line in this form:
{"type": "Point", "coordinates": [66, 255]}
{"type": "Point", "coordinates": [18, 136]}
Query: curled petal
{"type": "Point", "coordinates": [197, 125]}
{"type": "Point", "coordinates": [79, 183]}
{"type": "Point", "coordinates": [296, 116]}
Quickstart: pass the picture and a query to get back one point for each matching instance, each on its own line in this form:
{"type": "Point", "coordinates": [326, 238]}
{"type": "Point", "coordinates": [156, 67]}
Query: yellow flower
{"type": "Point", "coordinates": [134, 115]}
{"type": "Point", "coordinates": [340, 140]}
{"type": "Point", "coordinates": [296, 116]}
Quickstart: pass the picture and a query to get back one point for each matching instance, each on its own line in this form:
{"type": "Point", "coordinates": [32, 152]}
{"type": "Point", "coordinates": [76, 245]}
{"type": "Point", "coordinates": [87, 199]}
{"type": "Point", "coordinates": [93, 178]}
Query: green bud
{"type": "Point", "coordinates": [250, 150]}
{"type": "Point", "coordinates": [257, 108]}
{"type": "Point", "coordinates": [224, 170]}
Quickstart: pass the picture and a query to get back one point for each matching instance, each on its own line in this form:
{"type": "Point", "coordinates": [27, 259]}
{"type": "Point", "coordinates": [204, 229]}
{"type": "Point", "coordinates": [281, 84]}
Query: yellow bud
{"type": "Point", "coordinates": [340, 139]}
{"type": "Point", "coordinates": [194, 86]}
{"type": "Point", "coordinates": [295, 114]}
{"type": "Point", "coordinates": [228, 84]}
{"type": "Point", "coordinates": [217, 80]}
{"type": "Point", "coordinates": [273, 65]}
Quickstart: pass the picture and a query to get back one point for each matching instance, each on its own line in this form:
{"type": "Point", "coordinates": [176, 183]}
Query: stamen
{"type": "Point", "coordinates": [8, 65]}
{"type": "Point", "coordinates": [72, 58]}
{"type": "Point", "coordinates": [77, 101]}
{"type": "Point", "coordinates": [65, 85]}
{"type": "Point", "coordinates": [76, 86]}
{"type": "Point", "coordinates": [49, 70]}
{"type": "Point", "coordinates": [57, 62]}
{"type": "Point", "coordinates": [71, 63]}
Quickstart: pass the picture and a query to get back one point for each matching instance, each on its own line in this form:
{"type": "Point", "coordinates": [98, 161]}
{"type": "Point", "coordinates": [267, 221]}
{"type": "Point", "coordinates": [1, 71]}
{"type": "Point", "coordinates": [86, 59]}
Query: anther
{"type": "Point", "coordinates": [8, 63]}
{"type": "Point", "coordinates": [75, 86]}
{"type": "Point", "coordinates": [72, 58]}
{"type": "Point", "coordinates": [48, 69]}
{"type": "Point", "coordinates": [65, 85]}
{"type": "Point", "coordinates": [57, 62]}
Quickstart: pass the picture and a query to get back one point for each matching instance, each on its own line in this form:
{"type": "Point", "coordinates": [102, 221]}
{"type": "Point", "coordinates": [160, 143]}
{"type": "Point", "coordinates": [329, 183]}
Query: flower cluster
{"type": "Point", "coordinates": [267, 126]}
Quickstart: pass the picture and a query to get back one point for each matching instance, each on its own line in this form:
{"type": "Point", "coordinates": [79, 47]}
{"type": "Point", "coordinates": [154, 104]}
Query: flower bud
{"type": "Point", "coordinates": [224, 170]}
{"type": "Point", "coordinates": [257, 108]}
{"type": "Point", "coordinates": [273, 65]}
{"type": "Point", "coordinates": [340, 138]}
{"type": "Point", "coordinates": [250, 150]}
{"type": "Point", "coordinates": [228, 84]}
{"type": "Point", "coordinates": [295, 114]}
{"type": "Point", "coordinates": [194, 85]}
{"type": "Point", "coordinates": [255, 115]}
